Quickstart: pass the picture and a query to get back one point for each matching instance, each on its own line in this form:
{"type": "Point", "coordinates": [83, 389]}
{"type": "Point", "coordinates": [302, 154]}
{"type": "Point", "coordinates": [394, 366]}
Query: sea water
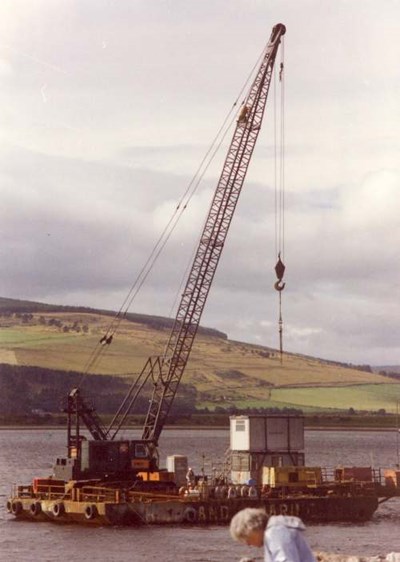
{"type": "Point", "coordinates": [25, 454]}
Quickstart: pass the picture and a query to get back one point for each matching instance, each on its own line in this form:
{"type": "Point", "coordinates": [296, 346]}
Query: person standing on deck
{"type": "Point", "coordinates": [190, 478]}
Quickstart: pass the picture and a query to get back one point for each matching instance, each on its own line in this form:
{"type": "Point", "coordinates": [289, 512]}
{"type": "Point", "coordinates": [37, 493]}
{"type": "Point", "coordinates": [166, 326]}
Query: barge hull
{"type": "Point", "coordinates": [200, 512]}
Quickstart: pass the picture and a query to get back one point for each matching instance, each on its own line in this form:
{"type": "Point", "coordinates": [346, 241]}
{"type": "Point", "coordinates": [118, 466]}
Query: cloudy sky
{"type": "Point", "coordinates": [109, 106]}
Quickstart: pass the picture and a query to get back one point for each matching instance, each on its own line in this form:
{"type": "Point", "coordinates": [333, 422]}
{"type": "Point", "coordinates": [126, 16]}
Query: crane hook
{"type": "Point", "coordinates": [279, 270]}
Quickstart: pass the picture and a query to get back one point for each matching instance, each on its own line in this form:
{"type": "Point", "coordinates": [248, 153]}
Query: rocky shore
{"type": "Point", "coordinates": [329, 557]}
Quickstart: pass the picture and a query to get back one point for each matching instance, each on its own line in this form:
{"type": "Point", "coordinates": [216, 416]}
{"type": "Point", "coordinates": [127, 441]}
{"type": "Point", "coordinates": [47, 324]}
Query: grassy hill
{"type": "Point", "coordinates": [224, 373]}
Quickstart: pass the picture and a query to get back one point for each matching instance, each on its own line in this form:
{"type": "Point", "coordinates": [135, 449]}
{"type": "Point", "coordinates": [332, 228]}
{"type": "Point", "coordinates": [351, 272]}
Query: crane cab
{"type": "Point", "coordinates": [122, 459]}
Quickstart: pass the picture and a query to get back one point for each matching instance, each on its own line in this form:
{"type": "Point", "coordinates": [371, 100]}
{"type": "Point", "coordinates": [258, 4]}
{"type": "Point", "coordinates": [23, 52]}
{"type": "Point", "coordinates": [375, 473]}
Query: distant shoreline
{"type": "Point", "coordinates": [203, 427]}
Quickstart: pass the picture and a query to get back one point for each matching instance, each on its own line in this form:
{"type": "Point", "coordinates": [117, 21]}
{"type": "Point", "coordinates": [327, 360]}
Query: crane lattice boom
{"type": "Point", "coordinates": [211, 244]}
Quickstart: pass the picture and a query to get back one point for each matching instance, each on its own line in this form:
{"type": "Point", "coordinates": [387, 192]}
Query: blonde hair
{"type": "Point", "coordinates": [246, 521]}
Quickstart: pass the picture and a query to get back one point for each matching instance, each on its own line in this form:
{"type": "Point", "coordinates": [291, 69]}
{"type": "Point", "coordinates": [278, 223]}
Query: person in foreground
{"type": "Point", "coordinates": [281, 535]}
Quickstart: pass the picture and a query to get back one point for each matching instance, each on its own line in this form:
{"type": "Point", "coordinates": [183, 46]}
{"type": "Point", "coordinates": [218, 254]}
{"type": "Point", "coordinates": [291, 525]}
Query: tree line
{"type": "Point", "coordinates": [25, 390]}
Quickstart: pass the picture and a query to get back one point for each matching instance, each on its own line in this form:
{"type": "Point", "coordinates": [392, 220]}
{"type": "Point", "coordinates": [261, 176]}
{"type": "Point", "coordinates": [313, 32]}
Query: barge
{"type": "Point", "coordinates": [104, 505]}
{"type": "Point", "coordinates": [101, 490]}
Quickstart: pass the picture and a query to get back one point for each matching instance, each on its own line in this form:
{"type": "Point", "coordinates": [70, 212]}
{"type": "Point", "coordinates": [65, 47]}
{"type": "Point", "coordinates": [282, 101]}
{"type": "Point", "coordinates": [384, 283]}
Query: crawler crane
{"type": "Point", "coordinates": [104, 454]}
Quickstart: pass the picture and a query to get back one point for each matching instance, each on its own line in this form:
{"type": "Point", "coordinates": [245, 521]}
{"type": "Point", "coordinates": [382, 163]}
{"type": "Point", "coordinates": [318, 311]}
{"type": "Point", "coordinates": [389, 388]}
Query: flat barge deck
{"type": "Point", "coordinates": [116, 504]}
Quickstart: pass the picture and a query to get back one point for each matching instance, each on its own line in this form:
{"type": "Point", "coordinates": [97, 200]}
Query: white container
{"type": "Point", "coordinates": [178, 464]}
{"type": "Point", "coordinates": [267, 433]}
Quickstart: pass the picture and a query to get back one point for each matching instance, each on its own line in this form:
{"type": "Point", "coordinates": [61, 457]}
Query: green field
{"type": "Point", "coordinates": [359, 397]}
{"type": "Point", "coordinates": [362, 398]}
{"type": "Point", "coordinates": [224, 373]}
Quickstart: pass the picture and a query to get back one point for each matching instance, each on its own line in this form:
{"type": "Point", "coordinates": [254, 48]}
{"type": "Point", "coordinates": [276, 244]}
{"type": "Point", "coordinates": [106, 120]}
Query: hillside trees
{"type": "Point", "coordinates": [25, 389]}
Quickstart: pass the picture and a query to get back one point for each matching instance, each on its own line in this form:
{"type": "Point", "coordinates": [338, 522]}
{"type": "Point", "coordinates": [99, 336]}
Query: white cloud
{"type": "Point", "coordinates": [372, 203]}
{"type": "Point", "coordinates": [5, 68]}
{"type": "Point", "coordinates": [109, 108]}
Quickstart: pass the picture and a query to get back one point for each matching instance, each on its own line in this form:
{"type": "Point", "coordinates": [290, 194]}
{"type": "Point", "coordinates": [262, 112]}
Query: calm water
{"type": "Point", "coordinates": [25, 454]}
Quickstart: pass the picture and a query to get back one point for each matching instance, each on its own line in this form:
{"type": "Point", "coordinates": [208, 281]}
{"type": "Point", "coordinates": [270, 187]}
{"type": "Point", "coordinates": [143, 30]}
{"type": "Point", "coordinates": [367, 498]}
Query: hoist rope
{"type": "Point", "coordinates": [279, 159]}
{"type": "Point", "coordinates": [168, 229]}
{"type": "Point", "coordinates": [279, 185]}
{"type": "Point", "coordinates": [276, 162]}
{"type": "Point", "coordinates": [282, 154]}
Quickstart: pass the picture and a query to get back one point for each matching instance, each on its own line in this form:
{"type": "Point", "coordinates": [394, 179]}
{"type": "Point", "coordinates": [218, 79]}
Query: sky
{"type": "Point", "coordinates": [109, 106]}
